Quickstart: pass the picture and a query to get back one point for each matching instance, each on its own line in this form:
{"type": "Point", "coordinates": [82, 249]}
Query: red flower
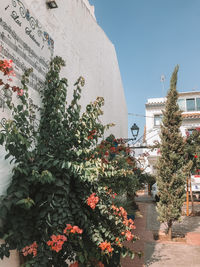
{"type": "Point", "coordinates": [6, 67]}
{"type": "Point", "coordinates": [77, 230]}
{"type": "Point", "coordinates": [112, 149]}
{"type": "Point", "coordinates": [20, 92]}
{"type": "Point", "coordinates": [129, 236]}
{"type": "Point", "coordinates": [106, 153]}
{"type": "Point", "coordinates": [57, 242]}
{"type": "Point", "coordinates": [195, 156]}
{"type": "Point", "coordinates": [92, 201]}
{"type": "Point", "coordinates": [72, 229]}
{"type": "Point", "coordinates": [30, 249]}
{"type": "Point", "coordinates": [114, 195]}
{"type": "Point", "coordinates": [69, 227]}
{"type": "Point", "coordinates": [75, 264]}
{"type": "Point", "coordinates": [106, 246]}
{"type": "Point", "coordinates": [7, 63]}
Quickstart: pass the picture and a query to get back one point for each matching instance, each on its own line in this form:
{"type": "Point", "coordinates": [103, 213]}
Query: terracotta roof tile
{"type": "Point", "coordinates": [155, 103]}
{"type": "Point", "coordinates": [191, 115]}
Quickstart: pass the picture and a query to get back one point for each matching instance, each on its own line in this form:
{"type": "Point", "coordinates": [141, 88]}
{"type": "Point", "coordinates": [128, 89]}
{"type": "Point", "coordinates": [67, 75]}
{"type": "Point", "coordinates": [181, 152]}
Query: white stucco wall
{"type": "Point", "coordinates": [88, 52]}
{"type": "Point", "coordinates": [152, 132]}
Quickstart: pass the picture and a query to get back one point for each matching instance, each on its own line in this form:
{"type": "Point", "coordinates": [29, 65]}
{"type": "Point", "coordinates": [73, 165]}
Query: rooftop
{"type": "Point", "coordinates": [162, 100]}
{"type": "Point", "coordinates": [90, 8]}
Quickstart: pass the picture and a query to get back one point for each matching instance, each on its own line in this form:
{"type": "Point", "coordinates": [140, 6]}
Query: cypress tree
{"type": "Point", "coordinates": [170, 177]}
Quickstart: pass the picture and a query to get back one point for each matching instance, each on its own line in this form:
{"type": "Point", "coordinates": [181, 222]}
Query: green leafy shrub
{"type": "Point", "coordinates": [120, 167]}
{"type": "Point", "coordinates": [56, 211]}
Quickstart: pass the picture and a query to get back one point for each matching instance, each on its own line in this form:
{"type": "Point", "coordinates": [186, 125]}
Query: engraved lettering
{"type": "Point", "coordinates": [25, 42]}
{"type": "Point", "coordinates": [16, 18]}
{"type": "Point", "coordinates": [32, 36]}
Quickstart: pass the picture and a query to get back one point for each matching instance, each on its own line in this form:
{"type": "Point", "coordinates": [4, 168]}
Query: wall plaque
{"type": "Point", "coordinates": [24, 40]}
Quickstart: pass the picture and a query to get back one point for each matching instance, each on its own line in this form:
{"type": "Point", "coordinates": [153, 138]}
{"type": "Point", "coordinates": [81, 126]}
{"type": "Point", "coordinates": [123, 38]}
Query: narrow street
{"type": "Point", "coordinates": [182, 252]}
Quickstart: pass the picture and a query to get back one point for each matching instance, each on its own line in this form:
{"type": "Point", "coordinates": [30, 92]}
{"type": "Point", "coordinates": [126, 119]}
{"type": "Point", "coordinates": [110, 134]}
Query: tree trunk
{"type": "Point", "coordinates": [191, 195]}
{"type": "Point", "coordinates": [149, 189]}
{"type": "Point", "coordinates": [169, 230]}
{"type": "Point", "coordinates": [187, 197]}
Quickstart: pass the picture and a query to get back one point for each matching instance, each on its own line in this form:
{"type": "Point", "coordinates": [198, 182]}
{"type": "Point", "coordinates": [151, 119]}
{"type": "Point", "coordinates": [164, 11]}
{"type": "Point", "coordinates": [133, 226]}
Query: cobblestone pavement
{"type": "Point", "coordinates": [171, 255]}
{"type": "Point", "coordinates": [163, 254]}
{"type": "Point", "coordinates": [187, 224]}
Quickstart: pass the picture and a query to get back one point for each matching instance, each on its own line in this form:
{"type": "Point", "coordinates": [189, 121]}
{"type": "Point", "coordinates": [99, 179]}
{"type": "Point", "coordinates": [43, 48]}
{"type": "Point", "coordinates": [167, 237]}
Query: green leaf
{"type": "Point", "coordinates": [81, 258]}
{"type": "Point", "coordinates": [7, 156]}
{"type": "Point", "coordinates": [68, 164]}
{"type": "Point", "coordinates": [18, 194]}
{"type": "Point", "coordinates": [26, 202]}
{"type": "Point", "coordinates": [1, 138]}
{"type": "Point", "coordinates": [20, 108]}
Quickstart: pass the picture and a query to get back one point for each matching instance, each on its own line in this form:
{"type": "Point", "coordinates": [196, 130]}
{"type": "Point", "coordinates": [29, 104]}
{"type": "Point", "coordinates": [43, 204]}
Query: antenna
{"type": "Point", "coordinates": [162, 79]}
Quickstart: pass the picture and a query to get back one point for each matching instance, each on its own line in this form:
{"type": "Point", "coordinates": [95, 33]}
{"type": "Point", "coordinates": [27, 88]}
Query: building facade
{"type": "Point", "coordinates": [31, 33]}
{"type": "Point", "coordinates": [189, 103]}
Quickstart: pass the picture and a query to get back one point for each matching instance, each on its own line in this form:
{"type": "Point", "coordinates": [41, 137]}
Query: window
{"type": "Point", "coordinates": [181, 103]}
{"type": "Point", "coordinates": [190, 103]}
{"type": "Point", "coordinates": [198, 103]}
{"type": "Point", "coordinates": [157, 119]}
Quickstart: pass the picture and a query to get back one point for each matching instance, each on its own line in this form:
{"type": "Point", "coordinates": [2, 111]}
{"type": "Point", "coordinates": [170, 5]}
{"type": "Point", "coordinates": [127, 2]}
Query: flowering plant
{"type": "Point", "coordinates": [56, 212]}
{"type": "Point", "coordinates": [120, 170]}
{"type": "Point", "coordinates": [192, 150]}
{"type": "Point", "coordinates": [6, 66]}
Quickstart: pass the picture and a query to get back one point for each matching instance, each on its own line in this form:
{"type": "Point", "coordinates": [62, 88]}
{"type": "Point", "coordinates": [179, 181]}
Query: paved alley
{"type": "Point", "coordinates": [184, 252]}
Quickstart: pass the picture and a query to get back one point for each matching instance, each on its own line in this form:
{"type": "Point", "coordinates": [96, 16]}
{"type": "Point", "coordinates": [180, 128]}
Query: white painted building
{"type": "Point", "coordinates": [81, 42]}
{"type": "Point", "coordinates": [189, 103]}
{"type": "Point", "coordinates": [30, 33]}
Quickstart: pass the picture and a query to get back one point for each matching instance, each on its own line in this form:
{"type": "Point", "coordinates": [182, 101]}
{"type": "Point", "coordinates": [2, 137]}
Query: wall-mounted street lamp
{"type": "Point", "coordinates": [51, 4]}
{"type": "Point", "coordinates": [134, 130]}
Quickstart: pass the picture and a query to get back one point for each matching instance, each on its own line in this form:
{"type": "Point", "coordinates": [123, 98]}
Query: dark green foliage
{"type": "Point", "coordinates": [192, 151]}
{"type": "Point", "coordinates": [54, 174]}
{"type": "Point", "coordinates": [170, 179]}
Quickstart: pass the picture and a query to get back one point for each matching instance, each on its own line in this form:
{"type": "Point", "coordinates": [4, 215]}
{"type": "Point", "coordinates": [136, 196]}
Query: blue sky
{"type": "Point", "coordinates": [150, 38]}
